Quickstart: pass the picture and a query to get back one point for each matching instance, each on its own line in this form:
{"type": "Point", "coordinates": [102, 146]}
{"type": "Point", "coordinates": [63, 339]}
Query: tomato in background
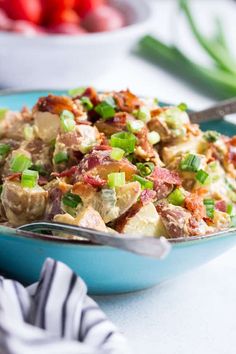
{"type": "Point", "coordinates": [65, 16]}
{"type": "Point", "coordinates": [28, 10]}
{"type": "Point", "coordinates": [85, 6]}
{"type": "Point", "coordinates": [53, 9]}
{"type": "Point", "coordinates": [103, 18]}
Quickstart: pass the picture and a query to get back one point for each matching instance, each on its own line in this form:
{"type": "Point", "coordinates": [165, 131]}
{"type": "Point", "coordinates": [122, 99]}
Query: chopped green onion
{"type": "Point", "coordinates": [28, 132]}
{"type": "Point", "coordinates": [182, 106]}
{"type": "Point", "coordinates": [233, 221]}
{"type": "Point", "coordinates": [20, 163]}
{"type": "Point", "coordinates": [145, 183]}
{"type": "Point", "coordinates": [29, 178]}
{"type": "Point", "coordinates": [110, 100]}
{"type": "Point", "coordinates": [229, 209]}
{"type": "Point", "coordinates": [143, 114]}
{"type": "Point", "coordinates": [210, 206]}
{"type": "Point", "coordinates": [76, 91]}
{"type": "Point", "coordinates": [116, 179]}
{"type": "Point", "coordinates": [71, 200]}
{"type": "Point", "coordinates": [190, 163]}
{"type": "Point", "coordinates": [176, 197]}
{"type": "Point", "coordinates": [117, 153]}
{"type": "Point", "coordinates": [3, 112]}
{"type": "Point", "coordinates": [60, 157]}
{"type": "Point", "coordinates": [86, 102]}
{"type": "Point", "coordinates": [67, 121]}
{"type": "Point", "coordinates": [155, 101]}
{"type": "Point", "coordinates": [134, 126]}
{"type": "Point", "coordinates": [145, 169]}
{"type": "Point", "coordinates": [211, 136]}
{"type": "Point", "coordinates": [153, 137]}
{"type": "Point", "coordinates": [124, 140]}
{"type": "Point", "coordinates": [202, 176]}
{"type": "Point", "coordinates": [106, 109]}
{"type": "Point", "coordinates": [4, 149]}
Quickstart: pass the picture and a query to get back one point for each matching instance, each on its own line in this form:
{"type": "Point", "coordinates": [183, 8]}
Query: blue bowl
{"type": "Point", "coordinates": [105, 270]}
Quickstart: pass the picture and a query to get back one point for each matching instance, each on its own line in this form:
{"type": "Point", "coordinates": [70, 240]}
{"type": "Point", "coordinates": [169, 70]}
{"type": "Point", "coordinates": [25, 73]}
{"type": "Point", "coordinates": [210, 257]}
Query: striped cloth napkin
{"type": "Point", "coordinates": [54, 315]}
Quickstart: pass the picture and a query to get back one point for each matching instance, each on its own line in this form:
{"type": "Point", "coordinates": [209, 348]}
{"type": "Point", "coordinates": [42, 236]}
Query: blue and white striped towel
{"type": "Point", "coordinates": [54, 316]}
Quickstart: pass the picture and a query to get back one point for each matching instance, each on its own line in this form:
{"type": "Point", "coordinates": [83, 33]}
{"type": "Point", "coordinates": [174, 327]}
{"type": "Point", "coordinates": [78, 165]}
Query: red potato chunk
{"type": "Point", "coordinates": [12, 125]}
{"type": "Point", "coordinates": [99, 163]}
{"type": "Point", "coordinates": [23, 205]}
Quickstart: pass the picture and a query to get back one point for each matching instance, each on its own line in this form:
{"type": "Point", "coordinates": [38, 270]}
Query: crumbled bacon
{"type": "Point", "coordinates": [221, 206]}
{"type": "Point", "coordinates": [42, 181]}
{"type": "Point", "coordinates": [54, 104]}
{"type": "Point", "coordinates": [102, 147]}
{"type": "Point", "coordinates": [164, 175]}
{"type": "Point", "coordinates": [127, 101]}
{"type": "Point", "coordinates": [67, 173]}
{"type": "Point", "coordinates": [147, 196]}
{"type": "Point", "coordinates": [143, 142]}
{"type": "Point", "coordinates": [94, 181]}
{"type": "Point", "coordinates": [194, 203]}
{"type": "Point", "coordinates": [14, 177]}
{"type": "Point", "coordinates": [91, 93]}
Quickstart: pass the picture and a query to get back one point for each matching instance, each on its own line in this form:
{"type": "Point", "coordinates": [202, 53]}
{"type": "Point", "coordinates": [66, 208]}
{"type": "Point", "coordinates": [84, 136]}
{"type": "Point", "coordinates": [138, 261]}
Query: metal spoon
{"type": "Point", "coordinates": [146, 246]}
{"type": "Point", "coordinates": [216, 112]}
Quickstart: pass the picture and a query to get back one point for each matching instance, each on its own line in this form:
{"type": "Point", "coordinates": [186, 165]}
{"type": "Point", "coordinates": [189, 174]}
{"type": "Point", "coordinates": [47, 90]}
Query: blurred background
{"type": "Point", "coordinates": [176, 50]}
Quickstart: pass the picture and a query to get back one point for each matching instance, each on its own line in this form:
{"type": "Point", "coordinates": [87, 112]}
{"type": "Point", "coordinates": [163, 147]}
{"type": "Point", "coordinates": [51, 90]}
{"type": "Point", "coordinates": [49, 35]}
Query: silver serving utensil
{"type": "Point", "coordinates": [216, 112]}
{"type": "Point", "coordinates": [146, 246]}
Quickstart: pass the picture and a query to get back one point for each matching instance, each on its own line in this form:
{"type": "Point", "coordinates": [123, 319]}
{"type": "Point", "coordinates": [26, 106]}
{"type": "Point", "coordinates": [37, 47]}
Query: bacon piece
{"type": "Point", "coordinates": [221, 206]}
{"type": "Point", "coordinates": [14, 177]}
{"type": "Point", "coordinates": [42, 181]}
{"type": "Point", "coordinates": [102, 148]}
{"type": "Point", "coordinates": [194, 203]}
{"type": "Point", "coordinates": [147, 196]}
{"type": "Point", "coordinates": [115, 124]}
{"type": "Point", "coordinates": [165, 176]}
{"type": "Point", "coordinates": [143, 142]}
{"type": "Point", "coordinates": [67, 173]}
{"type": "Point", "coordinates": [94, 181]}
{"type": "Point", "coordinates": [127, 101]}
{"type": "Point", "coordinates": [54, 104]}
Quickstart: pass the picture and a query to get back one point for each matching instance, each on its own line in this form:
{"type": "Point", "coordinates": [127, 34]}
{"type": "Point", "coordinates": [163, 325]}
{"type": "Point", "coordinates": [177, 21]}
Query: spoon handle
{"type": "Point", "coordinates": [215, 112]}
{"type": "Point", "coordinates": [146, 246]}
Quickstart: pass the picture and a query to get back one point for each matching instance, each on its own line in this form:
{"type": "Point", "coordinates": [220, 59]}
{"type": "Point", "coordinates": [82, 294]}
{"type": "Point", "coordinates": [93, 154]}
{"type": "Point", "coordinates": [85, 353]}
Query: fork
{"type": "Point", "coordinates": [142, 245]}
{"type": "Point", "coordinates": [216, 112]}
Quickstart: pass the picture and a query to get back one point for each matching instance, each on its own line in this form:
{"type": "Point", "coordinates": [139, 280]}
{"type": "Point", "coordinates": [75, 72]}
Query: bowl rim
{"type": "Point", "coordinates": [55, 239]}
{"type": "Point", "coordinates": [137, 27]}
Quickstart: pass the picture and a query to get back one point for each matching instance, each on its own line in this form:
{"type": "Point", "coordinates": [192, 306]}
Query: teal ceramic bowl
{"type": "Point", "coordinates": [105, 270]}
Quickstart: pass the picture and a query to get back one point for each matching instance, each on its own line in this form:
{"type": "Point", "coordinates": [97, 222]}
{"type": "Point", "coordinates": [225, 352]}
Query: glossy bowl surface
{"type": "Point", "coordinates": [106, 270]}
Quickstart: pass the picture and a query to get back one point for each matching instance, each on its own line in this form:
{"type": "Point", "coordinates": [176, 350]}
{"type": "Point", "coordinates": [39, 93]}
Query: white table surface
{"type": "Point", "coordinates": [196, 312]}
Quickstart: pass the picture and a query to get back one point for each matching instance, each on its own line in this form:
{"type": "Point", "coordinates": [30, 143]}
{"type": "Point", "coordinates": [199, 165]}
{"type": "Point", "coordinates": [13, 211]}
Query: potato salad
{"type": "Point", "coordinates": [115, 162]}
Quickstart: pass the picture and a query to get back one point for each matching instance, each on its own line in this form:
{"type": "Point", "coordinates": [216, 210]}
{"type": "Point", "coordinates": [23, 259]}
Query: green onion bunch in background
{"type": "Point", "coordinates": [218, 80]}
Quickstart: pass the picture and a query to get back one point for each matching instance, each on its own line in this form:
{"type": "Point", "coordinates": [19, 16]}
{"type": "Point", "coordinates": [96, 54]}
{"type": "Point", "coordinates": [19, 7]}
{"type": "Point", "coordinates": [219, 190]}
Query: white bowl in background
{"type": "Point", "coordinates": [66, 60]}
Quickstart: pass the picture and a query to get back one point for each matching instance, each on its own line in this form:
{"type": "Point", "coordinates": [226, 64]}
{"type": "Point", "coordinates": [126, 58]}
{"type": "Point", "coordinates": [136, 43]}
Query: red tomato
{"type": "Point", "coordinates": [85, 6]}
{"type": "Point", "coordinates": [66, 16]}
{"type": "Point", "coordinates": [28, 10]}
{"type": "Point", "coordinates": [50, 7]}
{"type": "Point", "coordinates": [67, 28]}
{"type": "Point", "coordinates": [104, 18]}
{"type": "Point", "coordinates": [27, 28]}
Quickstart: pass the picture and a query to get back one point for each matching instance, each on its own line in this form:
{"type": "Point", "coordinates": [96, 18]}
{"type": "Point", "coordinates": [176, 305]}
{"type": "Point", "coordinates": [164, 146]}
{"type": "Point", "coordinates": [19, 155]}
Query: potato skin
{"type": "Point", "coordinates": [23, 205]}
